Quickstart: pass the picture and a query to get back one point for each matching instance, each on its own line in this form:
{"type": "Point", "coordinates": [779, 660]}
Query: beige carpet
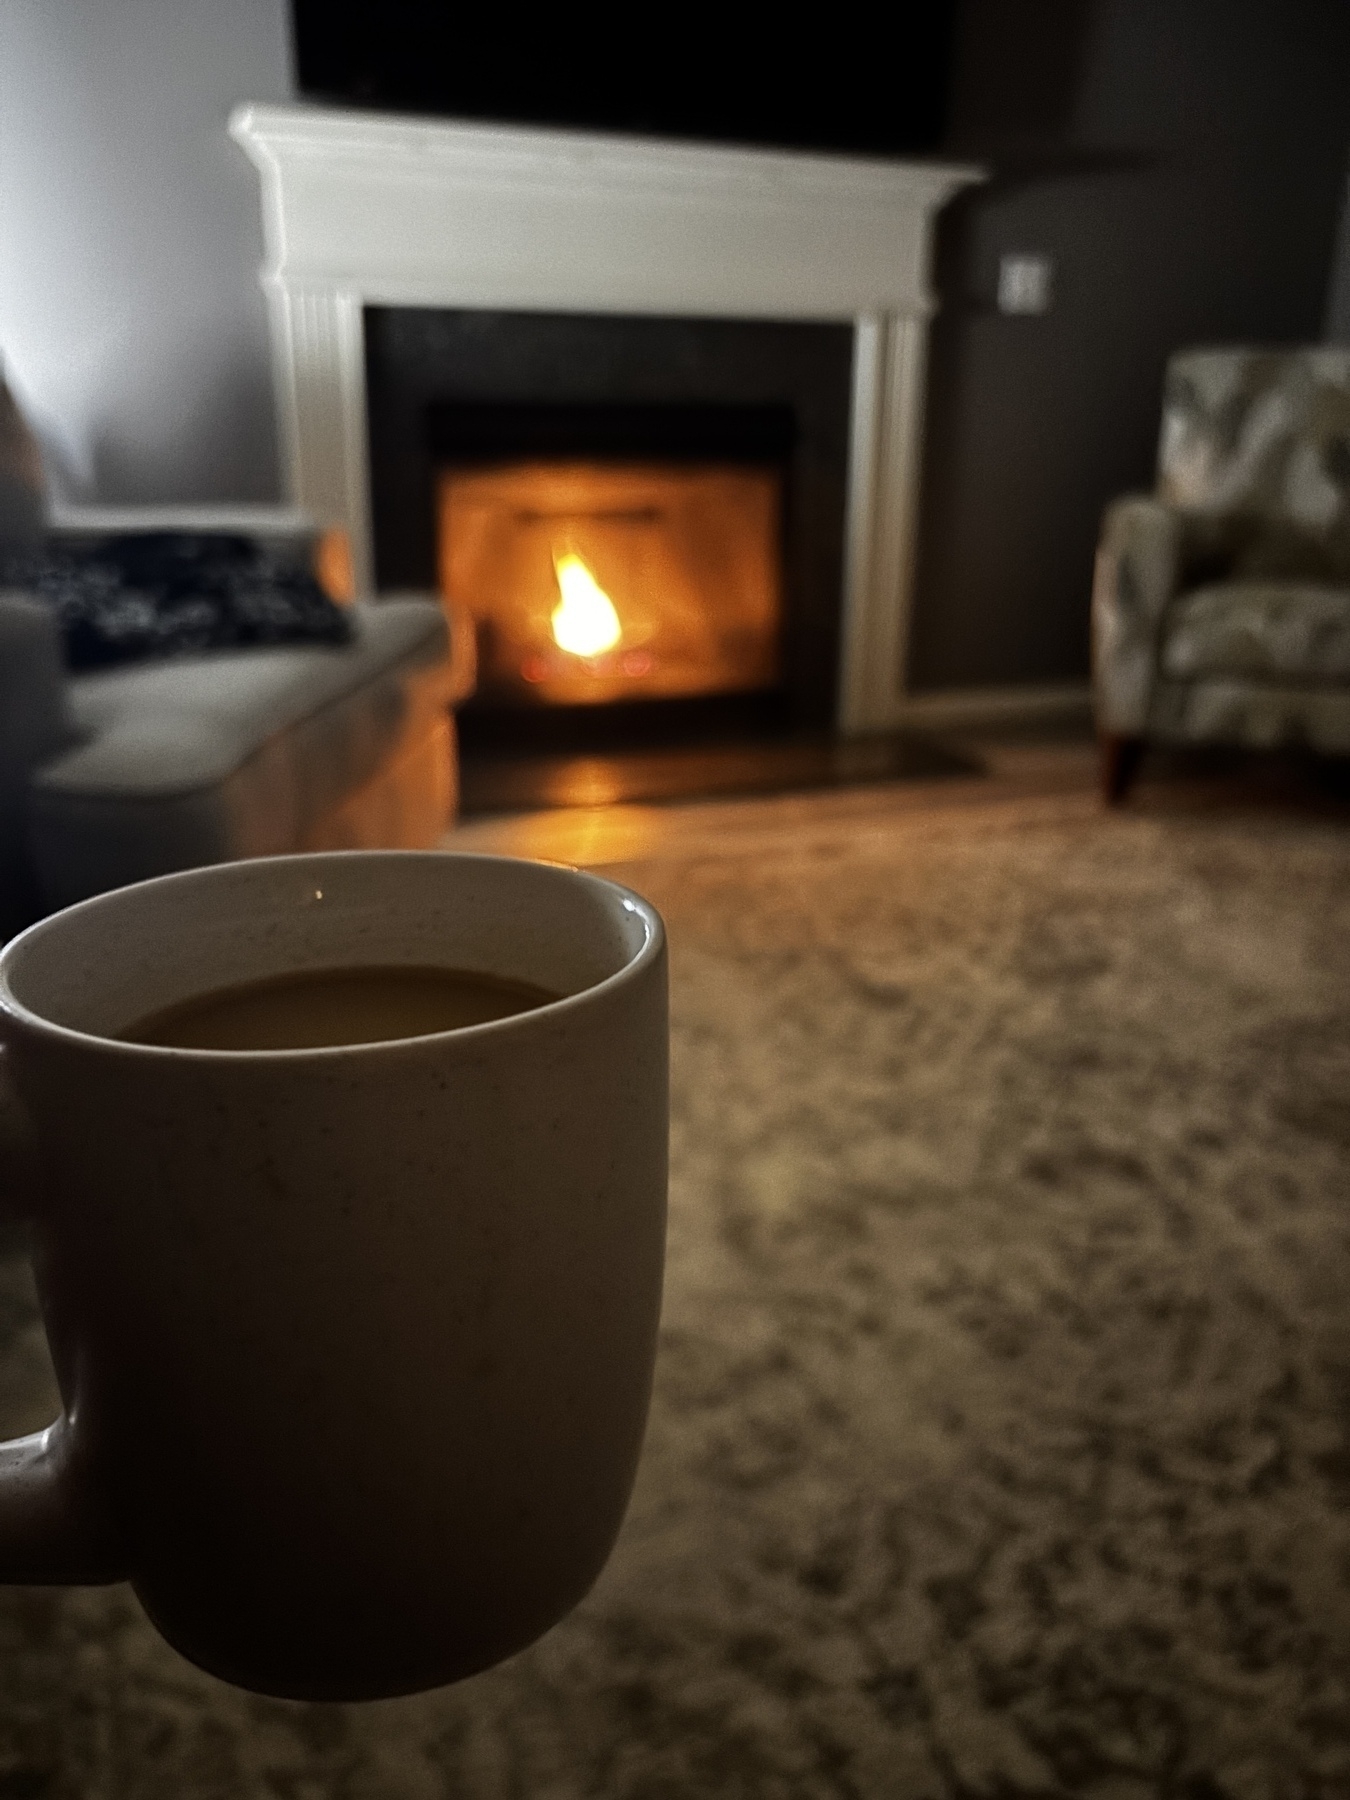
{"type": "Point", "coordinates": [1001, 1441]}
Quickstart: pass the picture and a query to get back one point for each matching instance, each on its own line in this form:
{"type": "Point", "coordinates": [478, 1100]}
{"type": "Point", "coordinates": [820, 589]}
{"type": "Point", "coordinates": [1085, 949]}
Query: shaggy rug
{"type": "Point", "coordinates": [1001, 1438]}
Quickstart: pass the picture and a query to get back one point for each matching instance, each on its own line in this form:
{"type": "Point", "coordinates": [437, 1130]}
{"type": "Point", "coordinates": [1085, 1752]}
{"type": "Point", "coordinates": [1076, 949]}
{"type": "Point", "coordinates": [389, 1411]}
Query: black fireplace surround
{"type": "Point", "coordinates": [450, 387]}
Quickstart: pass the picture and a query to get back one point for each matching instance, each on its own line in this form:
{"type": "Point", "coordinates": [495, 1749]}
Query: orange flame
{"type": "Point", "coordinates": [584, 620]}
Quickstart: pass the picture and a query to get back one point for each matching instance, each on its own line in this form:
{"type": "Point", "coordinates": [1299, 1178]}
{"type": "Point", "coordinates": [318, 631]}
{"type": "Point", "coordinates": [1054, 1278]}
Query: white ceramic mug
{"type": "Point", "coordinates": [355, 1344]}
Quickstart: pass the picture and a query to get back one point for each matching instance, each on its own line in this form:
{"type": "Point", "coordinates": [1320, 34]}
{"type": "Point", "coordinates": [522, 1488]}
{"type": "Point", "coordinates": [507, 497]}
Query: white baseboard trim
{"type": "Point", "coordinates": [957, 708]}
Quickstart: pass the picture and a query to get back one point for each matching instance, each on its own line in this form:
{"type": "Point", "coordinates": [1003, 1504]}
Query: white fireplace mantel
{"type": "Point", "coordinates": [361, 209]}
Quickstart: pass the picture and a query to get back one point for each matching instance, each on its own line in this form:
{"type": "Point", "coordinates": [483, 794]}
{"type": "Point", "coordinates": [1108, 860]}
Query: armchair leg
{"type": "Point", "coordinates": [1120, 759]}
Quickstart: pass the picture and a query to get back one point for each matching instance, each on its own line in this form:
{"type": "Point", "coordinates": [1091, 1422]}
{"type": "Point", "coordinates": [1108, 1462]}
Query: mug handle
{"type": "Point", "coordinates": [53, 1527]}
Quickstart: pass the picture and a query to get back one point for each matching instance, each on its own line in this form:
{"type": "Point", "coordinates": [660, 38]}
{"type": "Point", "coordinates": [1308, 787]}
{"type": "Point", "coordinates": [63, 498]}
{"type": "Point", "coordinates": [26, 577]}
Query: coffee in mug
{"type": "Point", "coordinates": [355, 1340]}
{"type": "Point", "coordinates": [315, 1007]}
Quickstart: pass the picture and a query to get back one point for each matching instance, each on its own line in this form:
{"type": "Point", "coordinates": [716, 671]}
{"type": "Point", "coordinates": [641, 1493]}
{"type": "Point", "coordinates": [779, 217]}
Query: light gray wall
{"type": "Point", "coordinates": [131, 322]}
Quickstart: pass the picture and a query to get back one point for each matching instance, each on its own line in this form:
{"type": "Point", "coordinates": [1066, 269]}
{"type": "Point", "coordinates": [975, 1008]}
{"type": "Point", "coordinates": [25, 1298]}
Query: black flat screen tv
{"type": "Point", "coordinates": [847, 81]}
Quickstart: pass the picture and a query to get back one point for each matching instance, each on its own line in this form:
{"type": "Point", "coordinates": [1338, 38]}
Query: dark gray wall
{"type": "Point", "coordinates": [1184, 163]}
{"type": "Point", "coordinates": [131, 321]}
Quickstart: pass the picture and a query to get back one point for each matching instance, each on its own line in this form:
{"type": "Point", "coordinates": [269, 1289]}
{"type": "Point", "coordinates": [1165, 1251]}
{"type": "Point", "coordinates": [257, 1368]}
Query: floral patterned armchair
{"type": "Point", "coordinates": [1221, 602]}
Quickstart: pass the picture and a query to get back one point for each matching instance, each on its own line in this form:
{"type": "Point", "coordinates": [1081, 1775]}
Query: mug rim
{"type": "Point", "coordinates": [26, 1019]}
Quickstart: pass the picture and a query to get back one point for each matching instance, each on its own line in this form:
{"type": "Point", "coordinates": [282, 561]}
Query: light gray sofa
{"type": "Point", "coordinates": [1221, 602]}
{"type": "Point", "coordinates": [114, 775]}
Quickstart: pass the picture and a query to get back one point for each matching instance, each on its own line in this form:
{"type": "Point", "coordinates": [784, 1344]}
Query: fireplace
{"type": "Point", "coordinates": [686, 263]}
{"type": "Point", "coordinates": [677, 487]}
{"type": "Point", "coordinates": [613, 551]}
{"type": "Point", "coordinates": [591, 582]}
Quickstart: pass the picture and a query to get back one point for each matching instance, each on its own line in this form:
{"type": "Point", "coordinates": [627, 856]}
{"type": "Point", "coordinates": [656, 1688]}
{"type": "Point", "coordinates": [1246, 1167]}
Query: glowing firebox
{"type": "Point", "coordinates": [597, 582]}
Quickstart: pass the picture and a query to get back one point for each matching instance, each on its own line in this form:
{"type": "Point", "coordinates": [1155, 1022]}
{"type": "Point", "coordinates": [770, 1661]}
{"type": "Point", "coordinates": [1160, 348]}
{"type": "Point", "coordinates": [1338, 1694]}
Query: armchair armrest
{"type": "Point", "coordinates": [1138, 571]}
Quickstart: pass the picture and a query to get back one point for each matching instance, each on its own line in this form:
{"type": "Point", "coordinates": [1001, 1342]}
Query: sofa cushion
{"type": "Point", "coordinates": [1259, 630]}
{"type": "Point", "coordinates": [224, 755]}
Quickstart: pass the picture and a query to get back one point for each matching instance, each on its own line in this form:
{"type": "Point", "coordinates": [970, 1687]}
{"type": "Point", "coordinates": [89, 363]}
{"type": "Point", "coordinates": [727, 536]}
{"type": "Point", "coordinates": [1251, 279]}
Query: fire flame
{"type": "Point", "coordinates": [584, 620]}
